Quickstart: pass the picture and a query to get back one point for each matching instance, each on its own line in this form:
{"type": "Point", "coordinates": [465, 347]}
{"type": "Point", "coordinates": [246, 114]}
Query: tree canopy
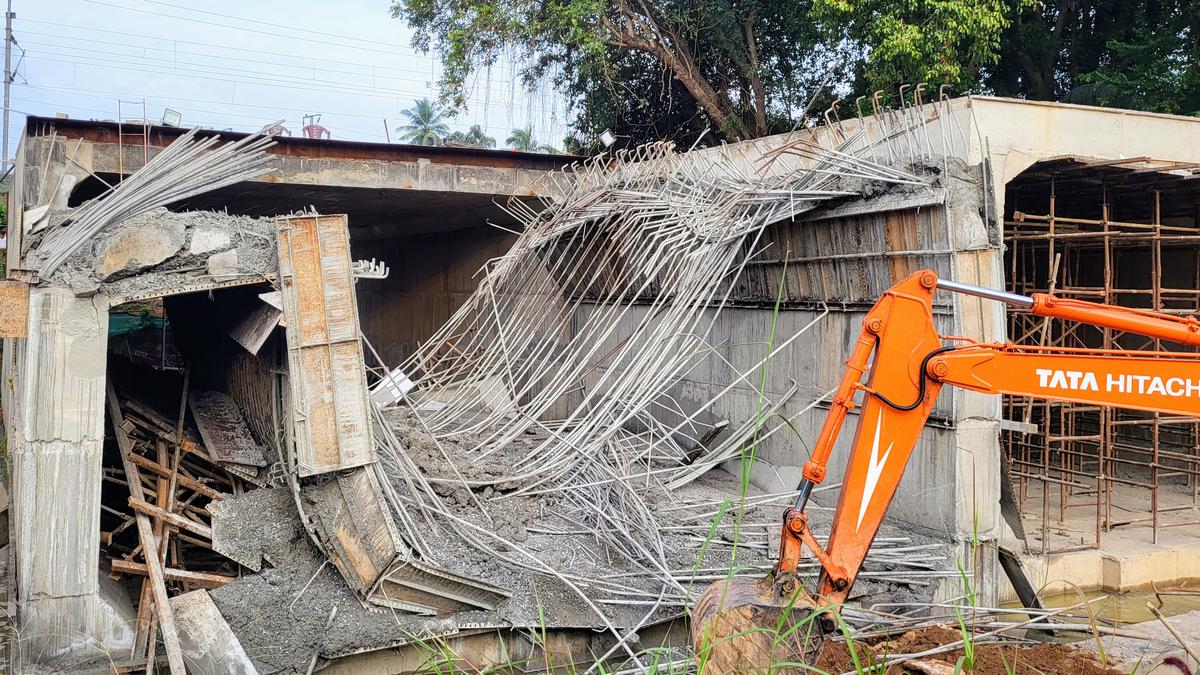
{"type": "Point", "coordinates": [673, 68]}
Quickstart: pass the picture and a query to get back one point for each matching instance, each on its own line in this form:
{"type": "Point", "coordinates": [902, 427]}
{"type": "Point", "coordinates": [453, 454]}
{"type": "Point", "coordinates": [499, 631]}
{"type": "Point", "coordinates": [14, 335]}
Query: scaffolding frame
{"type": "Point", "coordinates": [142, 135]}
{"type": "Point", "coordinates": [1082, 453]}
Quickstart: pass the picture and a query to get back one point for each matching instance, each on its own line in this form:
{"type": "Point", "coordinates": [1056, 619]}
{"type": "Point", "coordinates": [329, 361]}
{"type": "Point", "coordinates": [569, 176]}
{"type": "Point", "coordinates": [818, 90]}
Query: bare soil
{"type": "Point", "coordinates": [1047, 658]}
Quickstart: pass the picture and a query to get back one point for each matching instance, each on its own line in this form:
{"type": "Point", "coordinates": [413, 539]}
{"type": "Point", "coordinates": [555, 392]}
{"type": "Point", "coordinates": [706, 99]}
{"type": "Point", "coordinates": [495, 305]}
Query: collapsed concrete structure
{"type": "Point", "coordinates": [987, 210]}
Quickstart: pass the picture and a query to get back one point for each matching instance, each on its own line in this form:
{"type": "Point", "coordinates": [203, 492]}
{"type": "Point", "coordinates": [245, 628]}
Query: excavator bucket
{"type": "Point", "coordinates": [754, 625]}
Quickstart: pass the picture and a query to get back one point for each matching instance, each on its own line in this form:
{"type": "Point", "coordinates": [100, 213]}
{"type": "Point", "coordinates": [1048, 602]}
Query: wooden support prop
{"type": "Point", "coordinates": [202, 579]}
{"type": "Point", "coordinates": [162, 533]}
{"type": "Point", "coordinates": [144, 507]}
{"type": "Point", "coordinates": [154, 572]}
{"type": "Point", "coordinates": [184, 481]}
{"type": "Point", "coordinates": [196, 542]}
{"type": "Point", "coordinates": [14, 309]}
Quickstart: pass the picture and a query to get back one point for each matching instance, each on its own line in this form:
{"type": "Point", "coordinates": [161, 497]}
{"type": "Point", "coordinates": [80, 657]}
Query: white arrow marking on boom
{"type": "Point", "coordinates": [873, 471]}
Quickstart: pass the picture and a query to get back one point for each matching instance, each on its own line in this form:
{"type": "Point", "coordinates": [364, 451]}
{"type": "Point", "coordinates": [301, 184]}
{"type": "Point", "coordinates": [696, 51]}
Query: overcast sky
{"type": "Point", "coordinates": [241, 65]}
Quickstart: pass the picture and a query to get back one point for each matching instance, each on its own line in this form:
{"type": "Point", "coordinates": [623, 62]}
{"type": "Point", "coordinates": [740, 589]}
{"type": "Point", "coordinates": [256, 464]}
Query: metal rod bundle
{"type": "Point", "coordinates": [573, 348]}
{"type": "Point", "coordinates": [189, 166]}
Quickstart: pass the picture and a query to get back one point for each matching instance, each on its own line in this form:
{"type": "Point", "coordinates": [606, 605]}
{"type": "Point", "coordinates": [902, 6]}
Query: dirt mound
{"type": "Point", "coordinates": [1047, 658]}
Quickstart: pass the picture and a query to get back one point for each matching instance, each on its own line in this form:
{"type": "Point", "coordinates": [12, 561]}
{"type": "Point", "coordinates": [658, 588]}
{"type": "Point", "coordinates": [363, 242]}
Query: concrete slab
{"type": "Point", "coordinates": [137, 248]}
{"type": "Point", "coordinates": [209, 645]}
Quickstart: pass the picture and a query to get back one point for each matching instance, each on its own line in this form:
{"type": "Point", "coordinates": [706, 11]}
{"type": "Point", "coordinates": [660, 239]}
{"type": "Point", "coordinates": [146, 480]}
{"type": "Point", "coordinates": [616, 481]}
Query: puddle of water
{"type": "Point", "coordinates": [1129, 607]}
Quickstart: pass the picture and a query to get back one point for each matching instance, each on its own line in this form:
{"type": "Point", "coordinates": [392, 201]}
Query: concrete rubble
{"type": "Point", "coordinates": [160, 251]}
{"type": "Point", "coordinates": [209, 646]}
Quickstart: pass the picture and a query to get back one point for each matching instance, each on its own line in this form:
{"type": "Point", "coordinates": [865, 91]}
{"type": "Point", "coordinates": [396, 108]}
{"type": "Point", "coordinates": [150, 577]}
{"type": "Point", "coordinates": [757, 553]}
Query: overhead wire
{"type": "Point", "coordinates": [242, 19]}
{"type": "Point", "coordinates": [270, 79]}
{"type": "Point", "coordinates": [209, 44]}
{"type": "Point", "coordinates": [256, 31]}
{"type": "Point", "coordinates": [371, 82]}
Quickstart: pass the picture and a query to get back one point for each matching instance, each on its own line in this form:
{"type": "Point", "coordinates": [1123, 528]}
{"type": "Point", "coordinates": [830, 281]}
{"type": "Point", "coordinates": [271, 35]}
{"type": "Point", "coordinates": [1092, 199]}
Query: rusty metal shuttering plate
{"type": "Point", "coordinates": [325, 358]}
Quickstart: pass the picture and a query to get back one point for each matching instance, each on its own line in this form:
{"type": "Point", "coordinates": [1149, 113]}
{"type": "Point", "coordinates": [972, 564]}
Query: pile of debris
{"type": "Point", "coordinates": [539, 440]}
{"type": "Point", "coordinates": [163, 538]}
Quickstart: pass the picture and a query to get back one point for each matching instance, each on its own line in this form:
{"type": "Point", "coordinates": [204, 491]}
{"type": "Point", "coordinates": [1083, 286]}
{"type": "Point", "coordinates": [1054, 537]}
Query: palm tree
{"type": "Point", "coordinates": [456, 138]}
{"type": "Point", "coordinates": [522, 139]}
{"type": "Point", "coordinates": [426, 124]}
{"type": "Point", "coordinates": [477, 137]}
{"type": "Point", "coordinates": [473, 138]}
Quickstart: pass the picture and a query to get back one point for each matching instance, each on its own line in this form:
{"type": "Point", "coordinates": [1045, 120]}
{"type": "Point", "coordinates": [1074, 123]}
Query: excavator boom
{"type": "Point", "coordinates": [897, 367]}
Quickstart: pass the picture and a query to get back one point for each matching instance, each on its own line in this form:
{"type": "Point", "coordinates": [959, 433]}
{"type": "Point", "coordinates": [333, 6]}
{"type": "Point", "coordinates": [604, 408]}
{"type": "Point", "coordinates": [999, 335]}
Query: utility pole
{"type": "Point", "coordinates": [8, 76]}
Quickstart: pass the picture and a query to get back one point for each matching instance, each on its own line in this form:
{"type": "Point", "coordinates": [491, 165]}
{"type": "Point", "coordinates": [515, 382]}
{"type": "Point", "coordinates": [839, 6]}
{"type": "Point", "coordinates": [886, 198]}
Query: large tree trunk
{"type": "Point", "coordinates": [757, 90]}
{"type": "Point", "coordinates": [638, 29]}
{"type": "Point", "coordinates": [718, 106]}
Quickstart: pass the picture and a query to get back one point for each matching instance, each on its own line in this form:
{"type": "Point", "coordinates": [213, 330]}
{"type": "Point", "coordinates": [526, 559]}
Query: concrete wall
{"type": "Point", "coordinates": [431, 276]}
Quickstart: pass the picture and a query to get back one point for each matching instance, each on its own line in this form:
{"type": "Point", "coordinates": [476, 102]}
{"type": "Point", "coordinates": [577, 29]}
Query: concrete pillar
{"type": "Point", "coordinates": [54, 398]}
{"type": "Point", "coordinates": [979, 261]}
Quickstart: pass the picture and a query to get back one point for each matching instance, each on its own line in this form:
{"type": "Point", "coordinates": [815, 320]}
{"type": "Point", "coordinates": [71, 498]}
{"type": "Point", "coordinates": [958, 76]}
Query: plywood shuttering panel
{"type": "Point", "coordinates": [324, 351]}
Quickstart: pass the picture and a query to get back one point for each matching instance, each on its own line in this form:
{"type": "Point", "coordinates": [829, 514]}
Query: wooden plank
{"type": "Point", "coordinates": [158, 588]}
{"type": "Point", "coordinates": [14, 309]}
{"type": "Point", "coordinates": [224, 430]}
{"type": "Point", "coordinates": [185, 481]}
{"type": "Point", "coordinates": [144, 507]}
{"type": "Point", "coordinates": [201, 579]}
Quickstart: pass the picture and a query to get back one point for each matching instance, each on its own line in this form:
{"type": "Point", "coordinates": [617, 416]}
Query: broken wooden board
{"type": "Point", "coordinates": [224, 430]}
{"type": "Point", "coordinates": [252, 332]}
{"type": "Point", "coordinates": [14, 309]}
{"type": "Point", "coordinates": [326, 372]}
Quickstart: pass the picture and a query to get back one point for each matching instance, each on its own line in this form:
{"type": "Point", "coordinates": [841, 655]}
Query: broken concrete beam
{"type": "Point", "coordinates": [209, 240]}
{"type": "Point", "coordinates": [146, 244]}
{"type": "Point", "coordinates": [223, 266]}
{"type": "Point", "coordinates": [209, 644]}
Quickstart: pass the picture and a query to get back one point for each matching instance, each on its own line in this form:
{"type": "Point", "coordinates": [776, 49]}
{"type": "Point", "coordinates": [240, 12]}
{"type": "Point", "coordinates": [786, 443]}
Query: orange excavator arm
{"type": "Point", "coordinates": [900, 363]}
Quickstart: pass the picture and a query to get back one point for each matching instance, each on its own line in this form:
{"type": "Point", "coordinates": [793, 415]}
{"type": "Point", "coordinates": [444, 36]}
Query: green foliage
{"type": "Point", "coordinates": [676, 68]}
{"type": "Point", "coordinates": [935, 41]}
{"type": "Point", "coordinates": [426, 124]}
{"type": "Point", "coordinates": [740, 67]}
{"type": "Point", "coordinates": [1142, 54]}
{"type": "Point", "coordinates": [1154, 72]}
{"type": "Point", "coordinates": [523, 140]}
{"type": "Point", "coordinates": [474, 137]}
